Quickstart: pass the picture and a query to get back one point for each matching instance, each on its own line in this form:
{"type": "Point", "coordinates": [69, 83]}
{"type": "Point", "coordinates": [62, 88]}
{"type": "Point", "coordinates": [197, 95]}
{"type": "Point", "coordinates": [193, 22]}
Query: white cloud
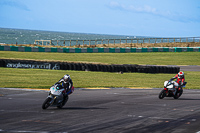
{"type": "Point", "coordinates": [143, 9]}
{"type": "Point", "coordinates": [15, 4]}
{"type": "Point", "coordinates": [114, 4]}
{"type": "Point", "coordinates": [167, 14]}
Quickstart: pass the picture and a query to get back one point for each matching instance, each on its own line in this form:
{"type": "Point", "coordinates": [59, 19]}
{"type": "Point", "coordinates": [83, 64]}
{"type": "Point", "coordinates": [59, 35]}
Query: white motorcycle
{"type": "Point", "coordinates": [171, 90]}
{"type": "Point", "coordinates": [55, 97]}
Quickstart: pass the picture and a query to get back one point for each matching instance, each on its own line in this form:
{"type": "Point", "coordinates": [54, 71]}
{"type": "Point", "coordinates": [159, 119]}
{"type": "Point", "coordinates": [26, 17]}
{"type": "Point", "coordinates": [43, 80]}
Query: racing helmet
{"type": "Point", "coordinates": [66, 78]}
{"type": "Point", "coordinates": [181, 75]}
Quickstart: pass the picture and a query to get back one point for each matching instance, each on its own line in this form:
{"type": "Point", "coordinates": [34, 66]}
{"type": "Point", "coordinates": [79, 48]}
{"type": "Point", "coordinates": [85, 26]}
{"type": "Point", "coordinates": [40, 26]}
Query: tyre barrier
{"type": "Point", "coordinates": [131, 68]}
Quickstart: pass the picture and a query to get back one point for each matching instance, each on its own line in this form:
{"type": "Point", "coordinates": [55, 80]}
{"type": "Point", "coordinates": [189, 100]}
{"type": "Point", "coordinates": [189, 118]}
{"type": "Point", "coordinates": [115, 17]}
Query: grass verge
{"type": "Point", "coordinates": [157, 58]}
{"type": "Point", "coordinates": [39, 78]}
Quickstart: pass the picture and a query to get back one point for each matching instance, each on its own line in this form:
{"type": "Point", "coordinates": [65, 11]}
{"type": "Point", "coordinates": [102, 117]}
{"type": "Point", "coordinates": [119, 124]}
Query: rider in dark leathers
{"type": "Point", "coordinates": [67, 84]}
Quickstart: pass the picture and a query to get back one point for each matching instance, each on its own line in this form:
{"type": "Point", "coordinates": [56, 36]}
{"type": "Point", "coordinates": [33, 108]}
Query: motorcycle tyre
{"type": "Point", "coordinates": [181, 92]}
{"type": "Point", "coordinates": [178, 94]}
{"type": "Point", "coordinates": [63, 103]}
{"type": "Point", "coordinates": [162, 94]}
{"type": "Point", "coordinates": [46, 104]}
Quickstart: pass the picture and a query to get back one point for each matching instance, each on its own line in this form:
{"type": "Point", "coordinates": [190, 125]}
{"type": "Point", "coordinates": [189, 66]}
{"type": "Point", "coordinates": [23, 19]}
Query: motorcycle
{"type": "Point", "coordinates": [56, 97]}
{"type": "Point", "coordinates": [171, 90]}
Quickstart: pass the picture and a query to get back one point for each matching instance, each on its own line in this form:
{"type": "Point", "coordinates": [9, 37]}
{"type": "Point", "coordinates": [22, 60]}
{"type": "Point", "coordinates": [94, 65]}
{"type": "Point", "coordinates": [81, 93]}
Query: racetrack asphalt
{"type": "Point", "coordinates": [100, 111]}
{"type": "Point", "coordinates": [190, 68]}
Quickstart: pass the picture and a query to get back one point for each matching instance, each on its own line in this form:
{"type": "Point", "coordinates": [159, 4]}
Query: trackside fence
{"type": "Point", "coordinates": [114, 41]}
{"type": "Point", "coordinates": [98, 50]}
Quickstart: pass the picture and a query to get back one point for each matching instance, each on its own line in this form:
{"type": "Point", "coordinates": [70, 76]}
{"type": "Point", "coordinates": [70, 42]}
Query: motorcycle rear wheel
{"type": "Point", "coordinates": [46, 103]}
{"type": "Point", "coordinates": [176, 96]}
{"type": "Point", "coordinates": [63, 103]}
{"type": "Point", "coordinates": [162, 94]}
{"type": "Point", "coordinates": [181, 92]}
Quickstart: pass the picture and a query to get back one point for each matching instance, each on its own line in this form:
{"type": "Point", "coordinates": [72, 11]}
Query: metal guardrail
{"type": "Point", "coordinates": [115, 41]}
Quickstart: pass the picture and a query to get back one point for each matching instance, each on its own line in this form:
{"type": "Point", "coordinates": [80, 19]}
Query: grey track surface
{"type": "Point", "coordinates": [189, 68]}
{"type": "Point", "coordinates": [100, 111]}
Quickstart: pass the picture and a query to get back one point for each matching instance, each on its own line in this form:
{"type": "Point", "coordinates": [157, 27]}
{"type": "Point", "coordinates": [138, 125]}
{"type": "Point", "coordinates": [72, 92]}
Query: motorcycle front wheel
{"type": "Point", "coordinates": [162, 94]}
{"type": "Point", "coordinates": [46, 103]}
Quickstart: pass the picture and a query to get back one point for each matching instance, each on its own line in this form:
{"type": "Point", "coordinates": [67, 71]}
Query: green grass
{"type": "Point", "coordinates": [39, 78]}
{"type": "Point", "coordinates": [157, 58]}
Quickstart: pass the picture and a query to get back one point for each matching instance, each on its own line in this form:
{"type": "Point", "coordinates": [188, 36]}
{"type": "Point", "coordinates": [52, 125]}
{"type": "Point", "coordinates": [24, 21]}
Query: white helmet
{"type": "Point", "coordinates": [66, 78]}
{"type": "Point", "coordinates": [180, 75]}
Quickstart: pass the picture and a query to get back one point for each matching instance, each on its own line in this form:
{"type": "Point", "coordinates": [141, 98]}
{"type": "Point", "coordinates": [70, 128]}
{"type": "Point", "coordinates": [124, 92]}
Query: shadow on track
{"type": "Point", "coordinates": [81, 108]}
{"type": "Point", "coordinates": [180, 99]}
{"type": "Point", "coordinates": [187, 99]}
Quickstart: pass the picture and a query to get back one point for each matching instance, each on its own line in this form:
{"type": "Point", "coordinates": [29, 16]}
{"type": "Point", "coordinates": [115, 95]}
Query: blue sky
{"type": "Point", "coordinates": [156, 18]}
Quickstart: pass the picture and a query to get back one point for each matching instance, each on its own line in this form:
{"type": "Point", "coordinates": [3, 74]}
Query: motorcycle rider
{"type": "Point", "coordinates": [67, 84]}
{"type": "Point", "coordinates": [180, 79]}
